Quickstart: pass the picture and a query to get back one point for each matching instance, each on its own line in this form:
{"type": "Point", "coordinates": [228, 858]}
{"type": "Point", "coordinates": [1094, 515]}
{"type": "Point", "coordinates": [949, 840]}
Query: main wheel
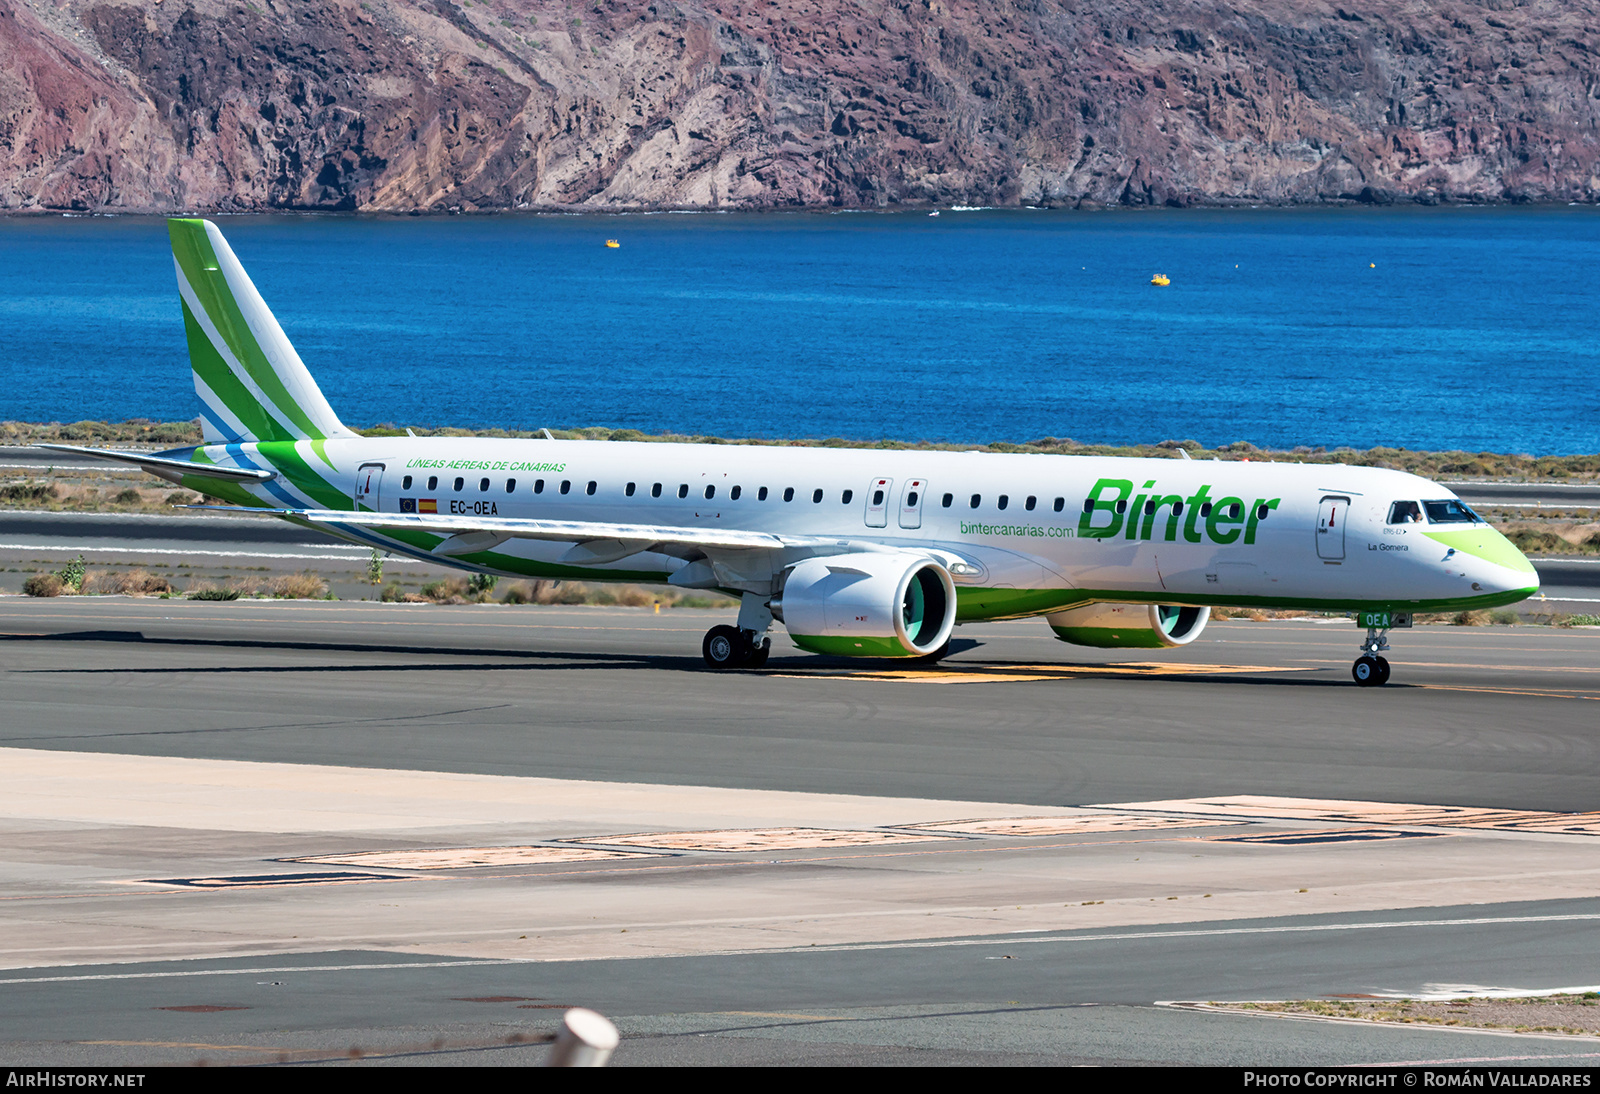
{"type": "Point", "coordinates": [723, 648]}
{"type": "Point", "coordinates": [1368, 671]}
{"type": "Point", "coordinates": [1383, 671]}
{"type": "Point", "coordinates": [756, 657]}
{"type": "Point", "coordinates": [935, 657]}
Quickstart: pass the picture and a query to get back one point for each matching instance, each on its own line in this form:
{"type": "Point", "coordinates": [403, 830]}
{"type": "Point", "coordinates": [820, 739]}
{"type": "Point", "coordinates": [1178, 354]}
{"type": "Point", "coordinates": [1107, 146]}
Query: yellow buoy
{"type": "Point", "coordinates": [612, 243]}
{"type": "Point", "coordinates": [1161, 279]}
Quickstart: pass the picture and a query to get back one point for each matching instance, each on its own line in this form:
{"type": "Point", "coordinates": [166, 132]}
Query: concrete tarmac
{"type": "Point", "coordinates": [245, 831]}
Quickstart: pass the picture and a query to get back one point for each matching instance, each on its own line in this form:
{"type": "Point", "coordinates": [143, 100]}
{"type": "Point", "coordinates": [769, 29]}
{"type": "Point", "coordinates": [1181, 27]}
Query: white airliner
{"type": "Point", "coordinates": [859, 553]}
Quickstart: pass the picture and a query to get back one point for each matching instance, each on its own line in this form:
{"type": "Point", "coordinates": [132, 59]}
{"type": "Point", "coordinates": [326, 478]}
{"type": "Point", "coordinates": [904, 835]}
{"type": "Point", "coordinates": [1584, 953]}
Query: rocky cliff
{"type": "Point", "coordinates": [496, 104]}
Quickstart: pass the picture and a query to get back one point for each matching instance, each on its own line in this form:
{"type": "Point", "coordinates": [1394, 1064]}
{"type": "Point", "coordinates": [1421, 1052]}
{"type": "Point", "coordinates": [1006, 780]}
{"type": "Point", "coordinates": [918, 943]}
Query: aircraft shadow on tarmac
{"type": "Point", "coordinates": [821, 667]}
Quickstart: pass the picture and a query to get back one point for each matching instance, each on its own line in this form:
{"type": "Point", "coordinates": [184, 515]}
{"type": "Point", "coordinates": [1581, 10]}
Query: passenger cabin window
{"type": "Point", "coordinates": [1122, 506]}
{"type": "Point", "coordinates": [788, 493]}
{"type": "Point", "coordinates": [948, 500]}
{"type": "Point", "coordinates": [566, 486]}
{"type": "Point", "coordinates": [911, 500]}
{"type": "Point", "coordinates": [816, 497]}
{"type": "Point", "coordinates": [483, 486]}
{"type": "Point", "coordinates": [511, 486]}
{"type": "Point", "coordinates": [711, 492]}
{"type": "Point", "coordinates": [683, 490]}
{"type": "Point", "coordinates": [1005, 500]}
{"type": "Point", "coordinates": [976, 498]}
{"type": "Point", "coordinates": [655, 491]}
{"type": "Point", "coordinates": [433, 482]}
{"type": "Point", "coordinates": [1030, 503]}
{"type": "Point", "coordinates": [538, 486]}
{"type": "Point", "coordinates": [1088, 505]}
{"type": "Point", "coordinates": [1261, 510]}
{"type": "Point", "coordinates": [460, 482]}
{"type": "Point", "coordinates": [845, 498]}
{"type": "Point", "coordinates": [877, 495]}
{"type": "Point", "coordinates": [733, 495]}
{"type": "Point", "coordinates": [1405, 512]}
{"type": "Point", "coordinates": [627, 491]}
{"type": "Point", "coordinates": [761, 495]}
{"type": "Point", "coordinates": [1061, 503]}
{"type": "Point", "coordinates": [1150, 508]}
{"type": "Point", "coordinates": [1205, 509]}
{"type": "Point", "coordinates": [405, 483]}
{"type": "Point", "coordinates": [591, 488]}
{"type": "Point", "coordinates": [1449, 512]}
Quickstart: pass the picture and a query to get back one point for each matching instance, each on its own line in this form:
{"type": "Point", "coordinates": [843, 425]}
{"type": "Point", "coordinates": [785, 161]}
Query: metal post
{"type": "Point", "coordinates": [586, 1039]}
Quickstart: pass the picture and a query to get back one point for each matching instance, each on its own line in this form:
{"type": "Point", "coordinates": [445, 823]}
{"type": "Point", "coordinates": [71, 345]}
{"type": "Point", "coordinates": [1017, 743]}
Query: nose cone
{"type": "Point", "coordinates": [1498, 569]}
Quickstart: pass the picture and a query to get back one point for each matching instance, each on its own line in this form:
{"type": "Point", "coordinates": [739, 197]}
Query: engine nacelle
{"type": "Point", "coordinates": [868, 604]}
{"type": "Point", "coordinates": [1129, 626]}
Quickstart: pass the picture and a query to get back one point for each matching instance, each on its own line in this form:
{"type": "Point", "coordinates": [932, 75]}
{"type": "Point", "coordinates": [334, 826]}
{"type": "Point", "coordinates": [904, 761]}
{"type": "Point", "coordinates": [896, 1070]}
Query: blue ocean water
{"type": "Point", "coordinates": [1427, 328]}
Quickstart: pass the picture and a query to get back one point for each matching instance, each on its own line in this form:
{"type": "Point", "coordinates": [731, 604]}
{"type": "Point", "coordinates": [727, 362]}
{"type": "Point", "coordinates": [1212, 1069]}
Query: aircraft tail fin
{"type": "Point", "coordinates": [251, 382]}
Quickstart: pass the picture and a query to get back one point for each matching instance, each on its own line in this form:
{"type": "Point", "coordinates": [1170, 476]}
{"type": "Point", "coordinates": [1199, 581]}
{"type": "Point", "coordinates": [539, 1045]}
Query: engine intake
{"type": "Point", "coordinates": [1129, 626]}
{"type": "Point", "coordinates": [868, 604]}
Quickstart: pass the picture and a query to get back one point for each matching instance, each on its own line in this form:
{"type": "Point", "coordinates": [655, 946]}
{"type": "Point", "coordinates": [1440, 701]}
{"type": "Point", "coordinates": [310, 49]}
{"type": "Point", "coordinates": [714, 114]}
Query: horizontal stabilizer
{"type": "Point", "coordinates": [165, 467]}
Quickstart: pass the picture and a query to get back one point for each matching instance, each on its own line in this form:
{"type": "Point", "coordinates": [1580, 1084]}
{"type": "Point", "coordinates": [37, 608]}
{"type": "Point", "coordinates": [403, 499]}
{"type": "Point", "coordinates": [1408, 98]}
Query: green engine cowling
{"type": "Point", "coordinates": [868, 604]}
{"type": "Point", "coordinates": [1129, 626]}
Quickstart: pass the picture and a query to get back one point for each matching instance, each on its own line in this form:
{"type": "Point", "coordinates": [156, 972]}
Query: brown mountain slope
{"type": "Point", "coordinates": [430, 104]}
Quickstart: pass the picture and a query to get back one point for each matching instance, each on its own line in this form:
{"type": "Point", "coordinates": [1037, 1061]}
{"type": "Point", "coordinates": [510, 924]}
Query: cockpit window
{"type": "Point", "coordinates": [1405, 512]}
{"type": "Point", "coordinates": [1450, 512]}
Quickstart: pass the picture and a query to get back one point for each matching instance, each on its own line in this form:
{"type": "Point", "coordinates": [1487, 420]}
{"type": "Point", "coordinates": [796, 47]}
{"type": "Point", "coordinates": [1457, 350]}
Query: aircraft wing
{"type": "Point", "coordinates": [158, 464]}
{"type": "Point", "coordinates": [594, 541]}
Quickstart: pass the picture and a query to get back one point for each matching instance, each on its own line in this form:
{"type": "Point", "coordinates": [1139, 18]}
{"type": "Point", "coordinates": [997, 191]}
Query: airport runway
{"type": "Point", "coordinates": [330, 824]}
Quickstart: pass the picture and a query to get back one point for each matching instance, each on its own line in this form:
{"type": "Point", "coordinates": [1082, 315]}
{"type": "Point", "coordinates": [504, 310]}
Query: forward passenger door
{"type": "Point", "coordinates": [878, 503]}
{"type": "Point", "coordinates": [911, 503]}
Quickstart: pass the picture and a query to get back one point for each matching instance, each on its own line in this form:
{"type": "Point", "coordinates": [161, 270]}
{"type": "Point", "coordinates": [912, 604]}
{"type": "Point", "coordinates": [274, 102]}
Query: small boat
{"type": "Point", "coordinates": [612, 243]}
{"type": "Point", "coordinates": [934, 213]}
{"type": "Point", "coordinates": [1161, 279]}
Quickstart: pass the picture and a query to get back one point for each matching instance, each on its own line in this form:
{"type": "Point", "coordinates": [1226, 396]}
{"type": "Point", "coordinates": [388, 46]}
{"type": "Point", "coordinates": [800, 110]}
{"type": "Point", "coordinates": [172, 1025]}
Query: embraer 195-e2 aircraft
{"type": "Point", "coordinates": [859, 553]}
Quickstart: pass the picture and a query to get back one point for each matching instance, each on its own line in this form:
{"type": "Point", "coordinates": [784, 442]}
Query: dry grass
{"type": "Point", "coordinates": [1571, 1014]}
{"type": "Point", "coordinates": [125, 583]}
{"type": "Point", "coordinates": [626, 596]}
{"type": "Point", "coordinates": [45, 585]}
{"type": "Point", "coordinates": [302, 586]}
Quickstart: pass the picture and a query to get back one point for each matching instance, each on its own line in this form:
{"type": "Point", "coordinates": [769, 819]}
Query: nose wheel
{"type": "Point", "coordinates": [1371, 670]}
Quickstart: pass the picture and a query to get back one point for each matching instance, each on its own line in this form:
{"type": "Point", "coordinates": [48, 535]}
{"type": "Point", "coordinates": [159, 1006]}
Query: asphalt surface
{"type": "Point", "coordinates": [1088, 998]}
{"type": "Point", "coordinates": [1494, 717]}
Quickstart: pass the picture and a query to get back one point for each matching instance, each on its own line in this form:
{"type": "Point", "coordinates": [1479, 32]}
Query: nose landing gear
{"type": "Point", "coordinates": [1372, 670]}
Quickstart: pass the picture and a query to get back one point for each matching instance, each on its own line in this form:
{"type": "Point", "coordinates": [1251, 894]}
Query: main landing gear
{"type": "Point", "coordinates": [1370, 669]}
{"type": "Point", "coordinates": [746, 645]}
{"type": "Point", "coordinates": [732, 648]}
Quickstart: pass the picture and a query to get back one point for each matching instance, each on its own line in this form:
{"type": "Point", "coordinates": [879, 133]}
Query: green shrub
{"type": "Point", "coordinates": [1504, 617]}
{"type": "Point", "coordinates": [1529, 540]}
{"type": "Point", "coordinates": [481, 584]}
{"type": "Point", "coordinates": [213, 594]}
{"type": "Point", "coordinates": [375, 568]}
{"type": "Point", "coordinates": [29, 491]}
{"type": "Point", "coordinates": [130, 496]}
{"type": "Point", "coordinates": [1584, 621]}
{"type": "Point", "coordinates": [392, 593]}
{"type": "Point", "coordinates": [71, 574]}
